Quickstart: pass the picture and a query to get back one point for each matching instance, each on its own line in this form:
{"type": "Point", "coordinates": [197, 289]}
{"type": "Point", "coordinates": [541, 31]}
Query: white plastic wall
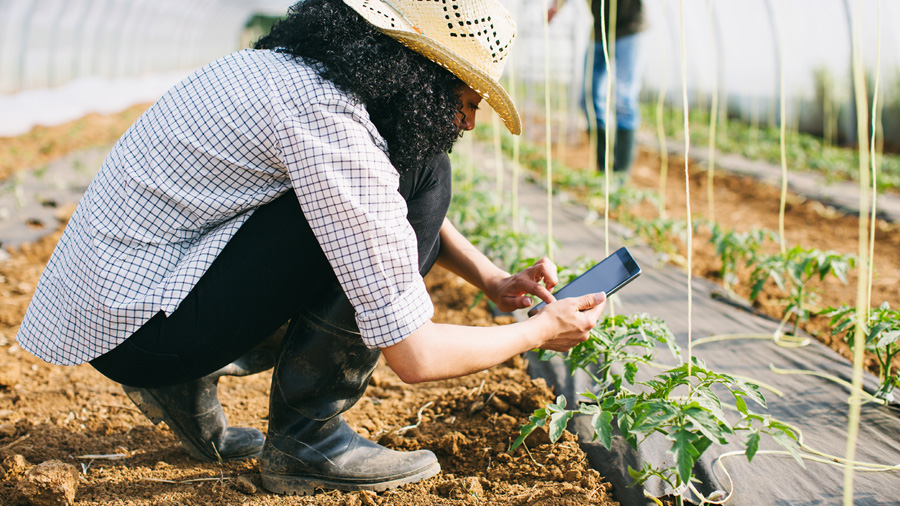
{"type": "Point", "coordinates": [729, 44]}
{"type": "Point", "coordinates": [46, 43]}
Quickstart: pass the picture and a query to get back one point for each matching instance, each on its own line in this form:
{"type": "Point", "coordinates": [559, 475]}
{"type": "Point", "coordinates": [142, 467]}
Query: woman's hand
{"type": "Point", "coordinates": [512, 292]}
{"type": "Point", "coordinates": [570, 320]}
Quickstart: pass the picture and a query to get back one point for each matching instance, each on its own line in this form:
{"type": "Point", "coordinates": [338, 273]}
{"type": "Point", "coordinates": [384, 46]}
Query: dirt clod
{"type": "Point", "coordinates": [572, 475]}
{"type": "Point", "coordinates": [14, 465]}
{"type": "Point", "coordinates": [9, 375]}
{"type": "Point", "coordinates": [243, 484]}
{"type": "Point", "coordinates": [7, 430]}
{"type": "Point", "coordinates": [462, 489]}
{"type": "Point", "coordinates": [368, 498]}
{"type": "Point", "coordinates": [50, 483]}
{"type": "Point", "coordinates": [499, 404]}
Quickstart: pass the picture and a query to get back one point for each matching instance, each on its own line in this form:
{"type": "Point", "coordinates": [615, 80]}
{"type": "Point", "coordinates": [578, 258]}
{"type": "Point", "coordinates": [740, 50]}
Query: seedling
{"type": "Point", "coordinates": [661, 235]}
{"type": "Point", "coordinates": [882, 331]}
{"type": "Point", "coordinates": [792, 271]}
{"type": "Point", "coordinates": [737, 248]}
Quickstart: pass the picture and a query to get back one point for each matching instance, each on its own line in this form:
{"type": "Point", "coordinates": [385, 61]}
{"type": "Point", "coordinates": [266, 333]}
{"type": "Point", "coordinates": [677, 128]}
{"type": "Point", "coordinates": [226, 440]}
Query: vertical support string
{"type": "Point", "coordinates": [589, 103]}
{"type": "Point", "coordinates": [713, 117]}
{"type": "Point", "coordinates": [515, 160]}
{"type": "Point", "coordinates": [687, 190]}
{"type": "Point", "coordinates": [563, 127]}
{"type": "Point", "coordinates": [661, 131]}
{"type": "Point", "coordinates": [663, 152]}
{"type": "Point", "coordinates": [547, 139]}
{"type": "Point", "coordinates": [782, 124]}
{"type": "Point", "coordinates": [873, 158]}
{"type": "Point", "coordinates": [859, 86]}
{"type": "Point", "coordinates": [498, 157]}
{"type": "Point", "coordinates": [609, 57]}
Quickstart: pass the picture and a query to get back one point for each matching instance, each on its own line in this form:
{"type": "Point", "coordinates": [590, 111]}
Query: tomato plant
{"type": "Point", "coordinates": [681, 403]}
{"type": "Point", "coordinates": [792, 270]}
{"type": "Point", "coordinates": [882, 332]}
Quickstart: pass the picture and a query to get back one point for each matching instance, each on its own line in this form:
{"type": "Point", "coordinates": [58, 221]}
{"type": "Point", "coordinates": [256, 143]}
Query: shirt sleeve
{"type": "Point", "coordinates": [347, 189]}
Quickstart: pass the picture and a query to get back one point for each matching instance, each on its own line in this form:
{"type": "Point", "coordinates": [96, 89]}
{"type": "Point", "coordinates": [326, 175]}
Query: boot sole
{"type": "Point", "coordinates": [151, 408]}
{"type": "Point", "coordinates": [303, 485]}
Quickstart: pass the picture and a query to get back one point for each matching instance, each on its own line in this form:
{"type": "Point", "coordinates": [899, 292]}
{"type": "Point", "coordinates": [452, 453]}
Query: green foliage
{"type": "Point", "coordinates": [487, 223]}
{"type": "Point", "coordinates": [803, 151]}
{"type": "Point", "coordinates": [626, 340]}
{"type": "Point", "coordinates": [662, 234]}
{"type": "Point", "coordinates": [793, 270]}
{"type": "Point", "coordinates": [680, 403]}
{"type": "Point", "coordinates": [737, 248]}
{"type": "Point", "coordinates": [882, 331]}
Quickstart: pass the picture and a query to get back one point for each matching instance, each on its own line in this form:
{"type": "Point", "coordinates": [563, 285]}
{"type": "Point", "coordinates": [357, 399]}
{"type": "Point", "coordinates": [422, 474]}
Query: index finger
{"type": "Point", "coordinates": [545, 269]}
{"type": "Point", "coordinates": [542, 292]}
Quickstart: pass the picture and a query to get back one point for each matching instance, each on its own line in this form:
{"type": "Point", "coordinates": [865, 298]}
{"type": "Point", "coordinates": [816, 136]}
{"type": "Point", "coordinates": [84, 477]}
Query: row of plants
{"type": "Point", "coordinates": [792, 270]}
{"type": "Point", "coordinates": [681, 402]}
{"type": "Point", "coordinates": [803, 151]}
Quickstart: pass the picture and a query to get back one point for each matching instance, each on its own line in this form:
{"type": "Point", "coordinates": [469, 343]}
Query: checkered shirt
{"type": "Point", "coordinates": [183, 179]}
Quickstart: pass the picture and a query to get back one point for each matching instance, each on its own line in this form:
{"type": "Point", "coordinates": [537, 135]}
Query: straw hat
{"type": "Point", "coordinates": [470, 38]}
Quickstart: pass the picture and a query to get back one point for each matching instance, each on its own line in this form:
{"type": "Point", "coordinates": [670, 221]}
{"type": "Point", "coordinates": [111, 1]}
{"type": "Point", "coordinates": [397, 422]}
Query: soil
{"type": "Point", "coordinates": [42, 144]}
{"type": "Point", "coordinates": [76, 416]}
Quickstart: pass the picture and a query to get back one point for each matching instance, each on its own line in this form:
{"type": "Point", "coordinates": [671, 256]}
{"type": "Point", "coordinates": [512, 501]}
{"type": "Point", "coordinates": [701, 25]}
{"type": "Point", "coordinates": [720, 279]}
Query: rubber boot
{"type": "Point", "coordinates": [601, 148]}
{"type": "Point", "coordinates": [322, 371]}
{"type": "Point", "coordinates": [623, 151]}
{"type": "Point", "coordinates": [193, 411]}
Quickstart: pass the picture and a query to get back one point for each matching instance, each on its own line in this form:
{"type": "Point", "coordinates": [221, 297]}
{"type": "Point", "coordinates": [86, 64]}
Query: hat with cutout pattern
{"type": "Point", "coordinates": [470, 38]}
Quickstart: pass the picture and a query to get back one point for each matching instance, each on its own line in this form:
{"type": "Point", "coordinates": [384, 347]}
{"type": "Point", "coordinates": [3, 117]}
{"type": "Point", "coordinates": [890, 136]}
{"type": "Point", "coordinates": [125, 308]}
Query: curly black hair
{"type": "Point", "coordinates": [412, 101]}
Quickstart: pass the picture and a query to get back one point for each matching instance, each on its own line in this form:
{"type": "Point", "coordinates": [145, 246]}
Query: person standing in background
{"type": "Point", "coordinates": [630, 22]}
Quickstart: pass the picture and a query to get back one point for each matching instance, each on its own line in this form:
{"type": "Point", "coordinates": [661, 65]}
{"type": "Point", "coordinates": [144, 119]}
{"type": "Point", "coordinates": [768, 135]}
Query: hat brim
{"type": "Point", "coordinates": [401, 30]}
{"type": "Point", "coordinates": [486, 86]}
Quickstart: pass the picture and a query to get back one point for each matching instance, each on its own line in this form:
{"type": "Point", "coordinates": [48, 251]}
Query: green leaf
{"type": "Point", "coordinates": [888, 338]}
{"type": "Point", "coordinates": [684, 452]}
{"type": "Point", "coordinates": [630, 371]}
{"type": "Point", "coordinates": [602, 423]}
{"type": "Point", "coordinates": [752, 446]}
{"type": "Point", "coordinates": [589, 409]}
{"type": "Point", "coordinates": [790, 445]}
{"type": "Point", "coordinates": [740, 404]}
{"type": "Point", "coordinates": [752, 391]}
{"type": "Point", "coordinates": [558, 423]}
{"type": "Point", "coordinates": [713, 407]}
{"type": "Point", "coordinates": [707, 424]}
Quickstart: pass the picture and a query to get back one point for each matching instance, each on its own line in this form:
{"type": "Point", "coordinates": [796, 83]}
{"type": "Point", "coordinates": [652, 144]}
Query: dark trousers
{"type": "Point", "coordinates": [266, 273]}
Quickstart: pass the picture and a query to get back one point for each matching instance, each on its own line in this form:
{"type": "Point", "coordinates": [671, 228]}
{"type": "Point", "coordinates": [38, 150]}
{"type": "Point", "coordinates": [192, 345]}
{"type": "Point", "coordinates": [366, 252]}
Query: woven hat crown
{"type": "Point", "coordinates": [470, 38]}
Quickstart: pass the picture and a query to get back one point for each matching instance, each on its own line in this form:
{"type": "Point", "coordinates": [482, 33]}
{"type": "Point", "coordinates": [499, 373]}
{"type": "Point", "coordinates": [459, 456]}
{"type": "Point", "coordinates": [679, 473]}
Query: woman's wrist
{"type": "Point", "coordinates": [493, 284]}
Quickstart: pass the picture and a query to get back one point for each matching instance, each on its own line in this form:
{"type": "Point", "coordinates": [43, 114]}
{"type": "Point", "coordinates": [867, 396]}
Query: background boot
{"type": "Point", "coordinates": [623, 151]}
{"type": "Point", "coordinates": [323, 369]}
{"type": "Point", "coordinates": [601, 148]}
{"type": "Point", "coordinates": [193, 411]}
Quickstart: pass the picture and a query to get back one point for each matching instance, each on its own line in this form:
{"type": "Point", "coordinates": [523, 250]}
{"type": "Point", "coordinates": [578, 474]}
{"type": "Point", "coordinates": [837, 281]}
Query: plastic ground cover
{"type": "Point", "coordinates": [816, 406]}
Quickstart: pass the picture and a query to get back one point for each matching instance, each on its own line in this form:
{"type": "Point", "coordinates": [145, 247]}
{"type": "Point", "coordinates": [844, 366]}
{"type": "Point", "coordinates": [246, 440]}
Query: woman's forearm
{"type": "Point", "coordinates": [460, 257]}
{"type": "Point", "coordinates": [440, 351]}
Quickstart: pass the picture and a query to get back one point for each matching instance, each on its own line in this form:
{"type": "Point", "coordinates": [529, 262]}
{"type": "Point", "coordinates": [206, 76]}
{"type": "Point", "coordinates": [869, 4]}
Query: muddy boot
{"type": "Point", "coordinates": [192, 410]}
{"type": "Point", "coordinates": [322, 371]}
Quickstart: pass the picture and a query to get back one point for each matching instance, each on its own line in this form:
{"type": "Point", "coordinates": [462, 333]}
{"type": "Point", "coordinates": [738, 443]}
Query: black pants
{"type": "Point", "coordinates": [263, 276]}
